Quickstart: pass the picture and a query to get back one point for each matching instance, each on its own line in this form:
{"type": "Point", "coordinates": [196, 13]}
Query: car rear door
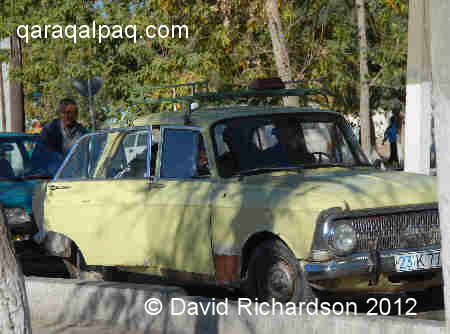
{"type": "Point", "coordinates": [180, 202]}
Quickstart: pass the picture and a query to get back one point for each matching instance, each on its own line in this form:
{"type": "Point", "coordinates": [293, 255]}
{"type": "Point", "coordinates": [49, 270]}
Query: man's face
{"type": "Point", "coordinates": [68, 114]}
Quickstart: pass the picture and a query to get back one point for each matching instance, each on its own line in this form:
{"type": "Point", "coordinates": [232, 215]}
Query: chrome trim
{"type": "Point", "coordinates": [358, 264]}
{"type": "Point", "coordinates": [149, 149]}
{"type": "Point", "coordinates": [330, 217]}
{"type": "Point", "coordinates": [324, 224]}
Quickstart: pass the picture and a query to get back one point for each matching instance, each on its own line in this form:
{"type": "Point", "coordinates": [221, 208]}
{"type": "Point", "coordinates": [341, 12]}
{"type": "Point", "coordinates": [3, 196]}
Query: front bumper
{"type": "Point", "coordinates": [361, 263]}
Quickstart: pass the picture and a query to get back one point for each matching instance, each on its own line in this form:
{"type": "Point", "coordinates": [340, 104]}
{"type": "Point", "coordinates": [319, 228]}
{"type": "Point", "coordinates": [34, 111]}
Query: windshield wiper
{"type": "Point", "coordinates": [262, 170]}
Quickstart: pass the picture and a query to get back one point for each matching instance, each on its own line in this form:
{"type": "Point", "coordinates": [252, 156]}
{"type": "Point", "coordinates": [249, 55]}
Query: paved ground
{"type": "Point", "coordinates": [99, 328]}
{"type": "Point", "coordinates": [80, 328]}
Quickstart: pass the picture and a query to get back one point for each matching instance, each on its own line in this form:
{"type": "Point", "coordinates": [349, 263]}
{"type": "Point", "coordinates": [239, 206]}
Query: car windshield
{"type": "Point", "coordinates": [284, 142]}
{"type": "Point", "coordinates": [24, 157]}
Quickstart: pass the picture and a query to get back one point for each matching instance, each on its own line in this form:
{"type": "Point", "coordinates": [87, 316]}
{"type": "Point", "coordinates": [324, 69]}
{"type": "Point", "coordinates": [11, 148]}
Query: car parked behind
{"type": "Point", "coordinates": [23, 161]}
{"type": "Point", "coordinates": [135, 144]}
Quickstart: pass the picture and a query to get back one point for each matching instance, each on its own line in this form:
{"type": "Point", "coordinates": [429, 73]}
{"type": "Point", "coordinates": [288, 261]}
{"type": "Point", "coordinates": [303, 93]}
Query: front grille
{"type": "Point", "coordinates": [397, 230]}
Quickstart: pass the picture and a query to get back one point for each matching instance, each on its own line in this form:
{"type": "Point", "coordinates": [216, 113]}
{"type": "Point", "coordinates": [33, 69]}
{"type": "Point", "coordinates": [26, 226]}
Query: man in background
{"type": "Point", "coordinates": [391, 135]}
{"type": "Point", "coordinates": [61, 134]}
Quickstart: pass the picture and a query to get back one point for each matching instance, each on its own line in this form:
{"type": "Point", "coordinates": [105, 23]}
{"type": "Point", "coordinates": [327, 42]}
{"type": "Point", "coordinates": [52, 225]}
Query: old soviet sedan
{"type": "Point", "coordinates": [277, 201]}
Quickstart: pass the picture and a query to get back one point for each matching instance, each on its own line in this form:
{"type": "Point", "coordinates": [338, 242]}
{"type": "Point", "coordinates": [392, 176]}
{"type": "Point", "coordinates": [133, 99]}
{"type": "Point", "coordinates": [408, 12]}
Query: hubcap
{"type": "Point", "coordinates": [281, 281]}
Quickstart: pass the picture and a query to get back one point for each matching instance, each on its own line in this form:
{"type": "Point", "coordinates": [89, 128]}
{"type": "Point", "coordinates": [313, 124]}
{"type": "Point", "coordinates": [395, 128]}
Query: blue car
{"type": "Point", "coordinates": [23, 162]}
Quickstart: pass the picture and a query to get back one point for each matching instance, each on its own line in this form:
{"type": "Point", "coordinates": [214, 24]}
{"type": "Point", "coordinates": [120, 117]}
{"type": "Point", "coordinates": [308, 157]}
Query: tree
{"type": "Point", "coordinates": [2, 102]}
{"type": "Point", "coordinates": [16, 97]}
{"type": "Point", "coordinates": [14, 309]}
{"type": "Point", "coordinates": [280, 49]}
{"type": "Point", "coordinates": [229, 42]}
{"type": "Point", "coordinates": [364, 111]}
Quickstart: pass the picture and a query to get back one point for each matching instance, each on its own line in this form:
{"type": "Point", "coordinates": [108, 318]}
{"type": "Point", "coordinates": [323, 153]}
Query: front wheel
{"type": "Point", "coordinates": [275, 275]}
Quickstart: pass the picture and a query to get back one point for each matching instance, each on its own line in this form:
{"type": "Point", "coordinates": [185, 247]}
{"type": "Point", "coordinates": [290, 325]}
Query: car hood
{"type": "Point", "coordinates": [17, 194]}
{"type": "Point", "coordinates": [332, 187]}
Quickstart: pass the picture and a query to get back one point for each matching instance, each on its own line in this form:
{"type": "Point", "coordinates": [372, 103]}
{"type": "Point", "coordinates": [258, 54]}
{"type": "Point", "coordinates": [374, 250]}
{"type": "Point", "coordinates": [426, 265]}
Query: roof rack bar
{"type": "Point", "coordinates": [188, 84]}
{"type": "Point", "coordinates": [262, 93]}
{"type": "Point", "coordinates": [221, 95]}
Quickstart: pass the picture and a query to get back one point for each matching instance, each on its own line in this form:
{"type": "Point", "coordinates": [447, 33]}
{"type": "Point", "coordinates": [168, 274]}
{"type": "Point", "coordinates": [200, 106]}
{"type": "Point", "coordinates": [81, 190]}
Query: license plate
{"type": "Point", "coordinates": [418, 261]}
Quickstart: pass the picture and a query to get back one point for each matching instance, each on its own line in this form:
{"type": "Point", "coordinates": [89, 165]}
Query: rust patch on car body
{"type": "Point", "coordinates": [227, 268]}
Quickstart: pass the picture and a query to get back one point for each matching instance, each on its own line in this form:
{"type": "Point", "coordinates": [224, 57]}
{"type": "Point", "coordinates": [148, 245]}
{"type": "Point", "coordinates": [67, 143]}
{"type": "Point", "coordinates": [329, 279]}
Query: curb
{"type": "Point", "coordinates": [119, 304]}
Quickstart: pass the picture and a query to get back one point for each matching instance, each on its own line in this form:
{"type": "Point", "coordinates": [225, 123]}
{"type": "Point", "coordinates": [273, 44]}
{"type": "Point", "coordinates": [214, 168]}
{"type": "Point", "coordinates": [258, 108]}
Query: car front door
{"type": "Point", "coordinates": [98, 200]}
{"type": "Point", "coordinates": [118, 217]}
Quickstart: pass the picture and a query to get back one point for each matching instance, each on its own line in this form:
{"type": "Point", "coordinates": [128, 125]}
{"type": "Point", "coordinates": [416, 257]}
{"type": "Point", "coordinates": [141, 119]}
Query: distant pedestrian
{"type": "Point", "coordinates": [61, 134]}
{"type": "Point", "coordinates": [391, 135]}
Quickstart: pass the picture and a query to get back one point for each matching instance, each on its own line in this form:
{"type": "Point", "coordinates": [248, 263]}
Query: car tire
{"type": "Point", "coordinates": [74, 265]}
{"type": "Point", "coordinates": [274, 275]}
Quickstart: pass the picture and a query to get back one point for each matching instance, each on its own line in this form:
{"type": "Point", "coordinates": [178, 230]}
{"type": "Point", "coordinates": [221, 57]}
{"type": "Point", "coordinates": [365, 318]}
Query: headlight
{"type": "Point", "coordinates": [343, 239]}
{"type": "Point", "coordinates": [17, 216]}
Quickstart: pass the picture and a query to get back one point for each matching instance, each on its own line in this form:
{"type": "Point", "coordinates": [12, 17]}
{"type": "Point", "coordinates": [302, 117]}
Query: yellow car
{"type": "Point", "coordinates": [279, 202]}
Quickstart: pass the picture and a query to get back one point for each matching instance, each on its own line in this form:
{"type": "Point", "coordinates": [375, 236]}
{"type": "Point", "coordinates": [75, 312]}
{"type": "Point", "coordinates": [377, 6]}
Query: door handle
{"type": "Point", "coordinates": [53, 187]}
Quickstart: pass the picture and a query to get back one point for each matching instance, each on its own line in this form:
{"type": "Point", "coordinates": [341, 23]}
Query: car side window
{"type": "Point", "coordinates": [142, 139]}
{"type": "Point", "coordinates": [77, 165]}
{"type": "Point", "coordinates": [103, 156]}
{"type": "Point", "coordinates": [183, 154]}
{"type": "Point", "coordinates": [129, 141]}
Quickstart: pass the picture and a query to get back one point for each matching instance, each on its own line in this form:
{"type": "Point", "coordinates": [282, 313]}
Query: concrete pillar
{"type": "Point", "coordinates": [440, 50]}
{"type": "Point", "coordinates": [418, 90]}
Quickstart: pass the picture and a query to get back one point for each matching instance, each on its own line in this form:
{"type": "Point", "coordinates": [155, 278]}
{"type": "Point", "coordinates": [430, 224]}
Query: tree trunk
{"type": "Point", "coordinates": [364, 110]}
{"type": "Point", "coordinates": [2, 100]}
{"type": "Point", "coordinates": [16, 88]}
{"type": "Point", "coordinates": [14, 310]}
{"type": "Point", "coordinates": [280, 50]}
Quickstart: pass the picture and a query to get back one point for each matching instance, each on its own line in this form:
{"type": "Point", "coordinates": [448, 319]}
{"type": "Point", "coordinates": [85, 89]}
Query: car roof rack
{"type": "Point", "coordinates": [200, 92]}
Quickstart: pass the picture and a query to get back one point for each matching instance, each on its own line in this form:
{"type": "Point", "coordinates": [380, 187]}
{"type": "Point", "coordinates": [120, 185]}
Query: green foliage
{"type": "Point", "coordinates": [228, 44]}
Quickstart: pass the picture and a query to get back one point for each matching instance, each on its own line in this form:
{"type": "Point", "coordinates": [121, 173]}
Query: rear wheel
{"type": "Point", "coordinates": [275, 275]}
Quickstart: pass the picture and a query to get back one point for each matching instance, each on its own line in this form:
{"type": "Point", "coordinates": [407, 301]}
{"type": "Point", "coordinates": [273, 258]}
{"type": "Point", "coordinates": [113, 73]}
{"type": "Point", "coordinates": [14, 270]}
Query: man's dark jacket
{"type": "Point", "coordinates": [52, 137]}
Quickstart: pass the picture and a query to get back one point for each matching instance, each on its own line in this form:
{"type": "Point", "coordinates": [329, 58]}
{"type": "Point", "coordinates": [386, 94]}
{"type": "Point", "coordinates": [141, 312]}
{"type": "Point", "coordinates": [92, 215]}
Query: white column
{"type": "Point", "coordinates": [440, 42]}
{"type": "Point", "coordinates": [418, 90]}
{"type": "Point", "coordinates": [418, 128]}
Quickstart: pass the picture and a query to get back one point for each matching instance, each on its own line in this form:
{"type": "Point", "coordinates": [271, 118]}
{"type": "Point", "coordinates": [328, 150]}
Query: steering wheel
{"type": "Point", "coordinates": [320, 154]}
